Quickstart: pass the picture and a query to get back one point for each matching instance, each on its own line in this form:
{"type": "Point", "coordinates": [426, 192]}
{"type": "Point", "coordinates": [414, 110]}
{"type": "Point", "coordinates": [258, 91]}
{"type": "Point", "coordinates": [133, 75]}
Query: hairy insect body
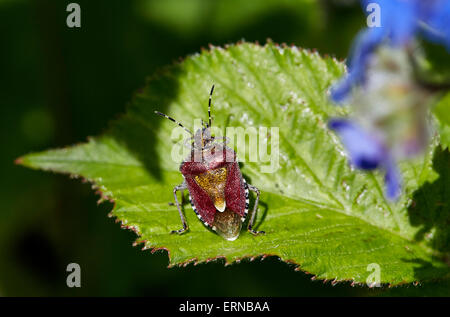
{"type": "Point", "coordinates": [218, 193]}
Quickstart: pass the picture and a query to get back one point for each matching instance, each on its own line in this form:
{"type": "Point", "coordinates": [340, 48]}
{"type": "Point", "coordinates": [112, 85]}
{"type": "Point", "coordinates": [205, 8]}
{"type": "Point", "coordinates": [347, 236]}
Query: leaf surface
{"type": "Point", "coordinates": [317, 212]}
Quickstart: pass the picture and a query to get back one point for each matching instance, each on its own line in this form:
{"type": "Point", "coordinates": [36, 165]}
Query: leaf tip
{"type": "Point", "coordinates": [19, 161]}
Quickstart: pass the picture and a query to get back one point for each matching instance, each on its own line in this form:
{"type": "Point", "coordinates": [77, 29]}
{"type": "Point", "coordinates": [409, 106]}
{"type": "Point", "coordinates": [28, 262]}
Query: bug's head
{"type": "Point", "coordinates": [202, 139]}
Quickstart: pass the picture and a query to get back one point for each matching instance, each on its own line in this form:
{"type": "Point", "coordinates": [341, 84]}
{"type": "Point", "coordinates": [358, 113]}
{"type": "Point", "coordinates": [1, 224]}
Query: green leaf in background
{"type": "Point", "coordinates": [442, 113]}
{"type": "Point", "coordinates": [224, 16]}
{"type": "Point", "coordinates": [318, 213]}
{"type": "Point", "coordinates": [434, 64]}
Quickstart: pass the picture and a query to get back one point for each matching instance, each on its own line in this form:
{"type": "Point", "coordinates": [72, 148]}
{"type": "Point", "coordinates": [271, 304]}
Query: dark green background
{"type": "Point", "coordinates": [60, 85]}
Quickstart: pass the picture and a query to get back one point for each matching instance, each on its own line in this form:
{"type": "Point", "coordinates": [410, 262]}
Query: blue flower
{"type": "Point", "coordinates": [401, 21]}
{"type": "Point", "coordinates": [368, 153]}
{"type": "Point", "coordinates": [435, 21]}
{"type": "Point", "coordinates": [390, 107]}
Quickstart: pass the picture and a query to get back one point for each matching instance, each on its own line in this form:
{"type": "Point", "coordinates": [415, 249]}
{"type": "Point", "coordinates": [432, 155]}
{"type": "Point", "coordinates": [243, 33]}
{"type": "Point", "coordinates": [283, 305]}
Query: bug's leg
{"type": "Point", "coordinates": [252, 219]}
{"type": "Point", "coordinates": [181, 188]}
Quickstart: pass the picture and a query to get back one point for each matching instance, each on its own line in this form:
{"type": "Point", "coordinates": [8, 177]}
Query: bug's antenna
{"type": "Point", "coordinates": [172, 119]}
{"type": "Point", "coordinates": [209, 106]}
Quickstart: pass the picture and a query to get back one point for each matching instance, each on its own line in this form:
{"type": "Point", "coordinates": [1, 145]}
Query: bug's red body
{"type": "Point", "coordinates": [218, 199]}
{"type": "Point", "coordinates": [218, 193]}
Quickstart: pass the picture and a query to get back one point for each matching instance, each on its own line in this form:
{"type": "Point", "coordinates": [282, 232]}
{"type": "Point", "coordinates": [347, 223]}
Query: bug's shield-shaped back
{"type": "Point", "coordinates": [218, 198]}
{"type": "Point", "coordinates": [213, 182]}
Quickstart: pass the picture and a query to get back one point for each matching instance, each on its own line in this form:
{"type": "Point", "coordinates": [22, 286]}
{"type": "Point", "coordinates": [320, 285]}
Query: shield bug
{"type": "Point", "coordinates": [218, 193]}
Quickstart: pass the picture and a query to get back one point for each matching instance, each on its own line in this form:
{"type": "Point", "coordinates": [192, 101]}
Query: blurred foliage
{"type": "Point", "coordinates": [225, 18]}
{"type": "Point", "coordinates": [65, 84]}
{"type": "Point", "coordinates": [434, 64]}
{"type": "Point", "coordinates": [443, 120]}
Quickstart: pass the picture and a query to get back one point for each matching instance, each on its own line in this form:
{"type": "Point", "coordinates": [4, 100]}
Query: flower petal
{"type": "Point", "coordinates": [435, 14]}
{"type": "Point", "coordinates": [392, 180]}
{"type": "Point", "coordinates": [365, 152]}
{"type": "Point", "coordinates": [398, 27]}
{"type": "Point", "coordinates": [399, 20]}
{"type": "Point", "coordinates": [363, 47]}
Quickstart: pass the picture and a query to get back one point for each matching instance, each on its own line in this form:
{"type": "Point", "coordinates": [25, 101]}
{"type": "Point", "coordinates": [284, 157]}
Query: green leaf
{"type": "Point", "coordinates": [434, 64]}
{"type": "Point", "coordinates": [318, 213]}
{"type": "Point", "coordinates": [223, 17]}
{"type": "Point", "coordinates": [442, 113]}
{"type": "Point", "coordinates": [434, 70]}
